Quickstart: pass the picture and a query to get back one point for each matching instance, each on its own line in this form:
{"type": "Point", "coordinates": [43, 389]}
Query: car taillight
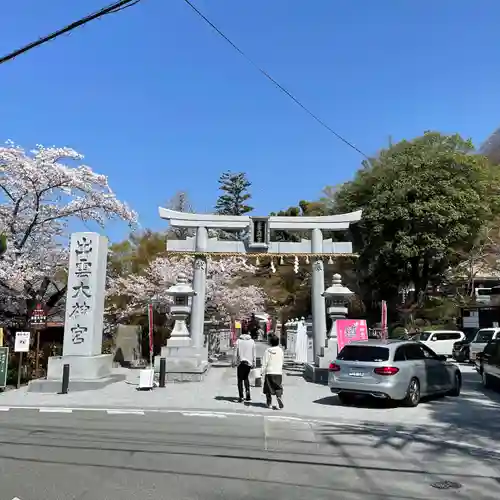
{"type": "Point", "coordinates": [386, 370]}
{"type": "Point", "coordinates": [334, 368]}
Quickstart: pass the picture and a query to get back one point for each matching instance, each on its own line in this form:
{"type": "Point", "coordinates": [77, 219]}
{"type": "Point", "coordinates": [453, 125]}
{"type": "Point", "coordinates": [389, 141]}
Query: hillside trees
{"type": "Point", "coordinates": [423, 201]}
{"type": "Point", "coordinates": [289, 292]}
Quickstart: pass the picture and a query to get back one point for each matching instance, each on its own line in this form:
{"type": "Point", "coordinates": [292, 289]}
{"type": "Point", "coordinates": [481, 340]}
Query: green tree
{"type": "Point", "coordinates": [304, 209]}
{"type": "Point", "coordinates": [235, 194]}
{"type": "Point", "coordinates": [424, 201]}
{"type": "Point", "coordinates": [289, 293]}
{"type": "Point", "coordinates": [134, 254]}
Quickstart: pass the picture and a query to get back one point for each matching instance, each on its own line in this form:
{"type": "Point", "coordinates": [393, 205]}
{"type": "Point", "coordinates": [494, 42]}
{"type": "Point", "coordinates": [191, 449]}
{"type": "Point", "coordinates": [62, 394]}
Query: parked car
{"type": "Point", "coordinates": [441, 341]}
{"type": "Point", "coordinates": [461, 349]}
{"type": "Point", "coordinates": [480, 340]}
{"type": "Point", "coordinates": [401, 370]}
{"type": "Point", "coordinates": [488, 363]}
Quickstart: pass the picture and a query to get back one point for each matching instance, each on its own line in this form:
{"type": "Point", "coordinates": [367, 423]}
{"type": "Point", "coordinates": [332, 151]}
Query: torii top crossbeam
{"type": "Point", "coordinates": [260, 232]}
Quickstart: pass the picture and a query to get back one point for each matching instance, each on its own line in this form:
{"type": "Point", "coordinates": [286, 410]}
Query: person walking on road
{"type": "Point", "coordinates": [272, 372]}
{"type": "Point", "coordinates": [245, 361]}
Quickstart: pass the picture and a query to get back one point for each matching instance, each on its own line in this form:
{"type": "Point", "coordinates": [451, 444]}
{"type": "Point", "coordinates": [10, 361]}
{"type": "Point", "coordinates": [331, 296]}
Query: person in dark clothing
{"type": "Point", "coordinates": [253, 327]}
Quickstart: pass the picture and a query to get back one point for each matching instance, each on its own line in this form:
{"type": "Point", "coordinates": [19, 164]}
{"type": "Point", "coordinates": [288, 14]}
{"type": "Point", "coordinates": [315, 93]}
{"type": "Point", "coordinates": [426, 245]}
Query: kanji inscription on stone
{"type": "Point", "coordinates": [85, 296]}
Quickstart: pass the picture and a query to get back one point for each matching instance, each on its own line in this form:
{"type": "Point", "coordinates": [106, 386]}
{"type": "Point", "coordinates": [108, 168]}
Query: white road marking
{"type": "Point", "coordinates": [55, 410]}
{"type": "Point", "coordinates": [125, 412]}
{"type": "Point", "coordinates": [204, 414]}
{"type": "Point", "coordinates": [4, 408]}
{"type": "Point", "coordinates": [284, 417]}
{"type": "Point", "coordinates": [178, 411]}
{"type": "Point", "coordinates": [472, 446]}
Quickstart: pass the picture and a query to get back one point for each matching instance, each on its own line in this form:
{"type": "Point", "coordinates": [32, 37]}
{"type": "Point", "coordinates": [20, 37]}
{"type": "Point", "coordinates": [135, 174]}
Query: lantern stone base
{"type": "Point", "coordinates": [316, 375]}
{"type": "Point", "coordinates": [318, 372]}
{"type": "Point", "coordinates": [185, 363]}
{"type": "Point", "coordinates": [85, 373]}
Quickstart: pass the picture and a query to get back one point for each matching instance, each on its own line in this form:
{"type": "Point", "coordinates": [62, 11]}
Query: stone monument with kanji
{"type": "Point", "coordinates": [84, 317]}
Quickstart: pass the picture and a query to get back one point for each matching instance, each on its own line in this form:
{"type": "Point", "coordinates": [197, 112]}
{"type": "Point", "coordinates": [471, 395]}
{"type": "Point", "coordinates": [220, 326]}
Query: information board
{"type": "Point", "coordinates": [22, 343]}
{"type": "Point", "coordinates": [4, 365]}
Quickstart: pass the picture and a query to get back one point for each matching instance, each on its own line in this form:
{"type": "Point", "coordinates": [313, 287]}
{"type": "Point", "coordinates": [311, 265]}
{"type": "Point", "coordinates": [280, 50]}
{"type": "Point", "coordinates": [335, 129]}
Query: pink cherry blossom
{"type": "Point", "coordinates": [225, 291]}
{"type": "Point", "coordinates": [40, 192]}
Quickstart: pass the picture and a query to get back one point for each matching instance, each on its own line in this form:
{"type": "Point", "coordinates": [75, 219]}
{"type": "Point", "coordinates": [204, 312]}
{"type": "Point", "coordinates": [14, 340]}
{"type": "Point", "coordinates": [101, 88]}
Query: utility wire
{"type": "Point", "coordinates": [273, 81]}
{"type": "Point", "coordinates": [110, 9]}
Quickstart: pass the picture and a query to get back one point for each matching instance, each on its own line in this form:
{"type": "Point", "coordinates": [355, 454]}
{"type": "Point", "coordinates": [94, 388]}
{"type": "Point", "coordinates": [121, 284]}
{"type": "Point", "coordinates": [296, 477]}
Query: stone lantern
{"type": "Point", "coordinates": [337, 297]}
{"type": "Point", "coordinates": [180, 310]}
{"type": "Point", "coordinates": [185, 360]}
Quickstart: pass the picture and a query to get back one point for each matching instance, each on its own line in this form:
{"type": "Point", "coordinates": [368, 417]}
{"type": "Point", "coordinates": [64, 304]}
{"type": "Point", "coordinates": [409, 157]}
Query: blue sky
{"type": "Point", "coordinates": [159, 103]}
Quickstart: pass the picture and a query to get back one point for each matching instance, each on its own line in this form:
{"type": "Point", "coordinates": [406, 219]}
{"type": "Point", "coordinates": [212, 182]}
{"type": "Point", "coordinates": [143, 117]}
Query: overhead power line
{"type": "Point", "coordinates": [273, 81]}
{"type": "Point", "coordinates": [110, 9]}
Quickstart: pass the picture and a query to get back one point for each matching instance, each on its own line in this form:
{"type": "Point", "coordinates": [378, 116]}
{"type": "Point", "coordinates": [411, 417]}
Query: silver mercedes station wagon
{"type": "Point", "coordinates": [400, 370]}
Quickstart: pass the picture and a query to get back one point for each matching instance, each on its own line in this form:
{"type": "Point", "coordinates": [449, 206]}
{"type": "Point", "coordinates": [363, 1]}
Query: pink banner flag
{"type": "Point", "coordinates": [350, 330]}
{"type": "Point", "coordinates": [383, 322]}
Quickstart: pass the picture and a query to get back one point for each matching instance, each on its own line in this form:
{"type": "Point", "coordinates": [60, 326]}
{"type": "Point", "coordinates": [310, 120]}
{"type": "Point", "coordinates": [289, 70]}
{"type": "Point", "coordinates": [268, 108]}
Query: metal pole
{"type": "Point", "coordinates": [37, 354]}
{"type": "Point", "coordinates": [163, 371]}
{"type": "Point", "coordinates": [151, 326]}
{"type": "Point", "coordinates": [19, 370]}
{"type": "Point", "coordinates": [65, 379]}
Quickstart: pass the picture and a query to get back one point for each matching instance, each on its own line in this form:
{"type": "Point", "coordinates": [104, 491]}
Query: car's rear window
{"type": "Point", "coordinates": [363, 353]}
{"type": "Point", "coordinates": [484, 336]}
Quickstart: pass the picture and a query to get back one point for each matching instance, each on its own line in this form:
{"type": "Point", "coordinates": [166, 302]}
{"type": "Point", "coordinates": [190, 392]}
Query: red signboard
{"type": "Point", "coordinates": [38, 317]}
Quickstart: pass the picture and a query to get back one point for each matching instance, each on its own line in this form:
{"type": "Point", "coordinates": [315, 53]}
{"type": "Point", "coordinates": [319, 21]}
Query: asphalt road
{"type": "Point", "coordinates": [91, 455]}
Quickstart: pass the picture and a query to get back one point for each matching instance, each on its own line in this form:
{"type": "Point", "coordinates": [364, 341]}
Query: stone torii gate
{"type": "Point", "coordinates": [258, 244]}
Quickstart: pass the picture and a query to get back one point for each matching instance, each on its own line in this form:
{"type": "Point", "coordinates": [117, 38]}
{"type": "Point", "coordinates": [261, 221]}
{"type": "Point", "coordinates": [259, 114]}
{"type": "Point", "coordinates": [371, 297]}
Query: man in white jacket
{"type": "Point", "coordinates": [245, 360]}
{"type": "Point", "coordinates": [272, 372]}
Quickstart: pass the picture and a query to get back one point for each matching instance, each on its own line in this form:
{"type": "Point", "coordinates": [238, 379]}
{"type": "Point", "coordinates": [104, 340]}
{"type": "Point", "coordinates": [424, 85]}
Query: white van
{"type": "Point", "coordinates": [479, 342]}
{"type": "Point", "coordinates": [441, 341]}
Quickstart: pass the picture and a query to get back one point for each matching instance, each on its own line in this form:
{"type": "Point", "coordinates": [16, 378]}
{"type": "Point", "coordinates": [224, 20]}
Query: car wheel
{"type": "Point", "coordinates": [344, 398]}
{"type": "Point", "coordinates": [412, 398]}
{"type": "Point", "coordinates": [486, 379]}
{"type": "Point", "coordinates": [455, 392]}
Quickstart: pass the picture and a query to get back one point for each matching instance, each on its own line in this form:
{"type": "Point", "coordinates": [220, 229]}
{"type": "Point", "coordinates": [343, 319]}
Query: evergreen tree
{"type": "Point", "coordinates": [232, 201]}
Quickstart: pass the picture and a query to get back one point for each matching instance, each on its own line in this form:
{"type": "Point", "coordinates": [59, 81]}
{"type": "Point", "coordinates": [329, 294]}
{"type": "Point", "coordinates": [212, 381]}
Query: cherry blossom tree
{"type": "Point", "coordinates": [41, 191]}
{"type": "Point", "coordinates": [225, 291]}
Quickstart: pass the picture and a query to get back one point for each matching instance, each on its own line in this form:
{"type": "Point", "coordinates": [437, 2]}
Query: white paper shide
{"type": "Point", "coordinates": [85, 296]}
